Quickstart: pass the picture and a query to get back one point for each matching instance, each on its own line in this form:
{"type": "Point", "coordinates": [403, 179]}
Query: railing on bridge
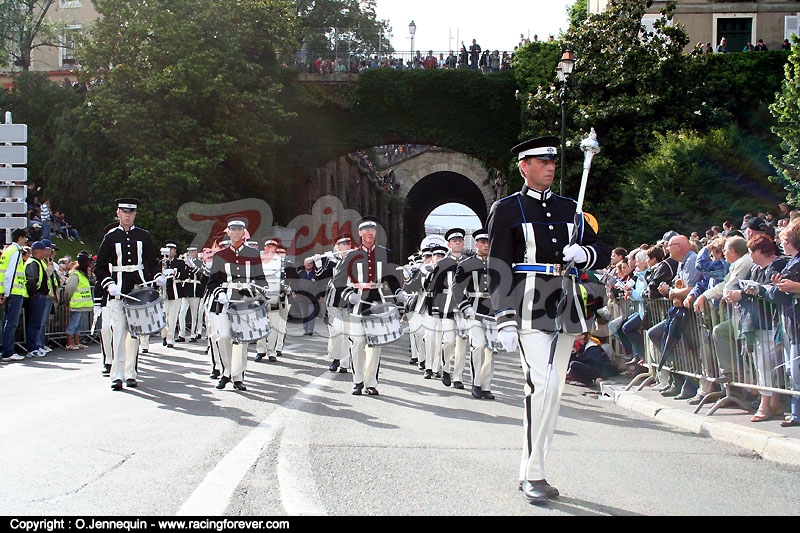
{"type": "Point", "coordinates": [335, 62]}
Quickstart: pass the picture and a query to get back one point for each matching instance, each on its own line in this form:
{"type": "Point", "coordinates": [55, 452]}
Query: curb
{"type": "Point", "coordinates": [768, 445]}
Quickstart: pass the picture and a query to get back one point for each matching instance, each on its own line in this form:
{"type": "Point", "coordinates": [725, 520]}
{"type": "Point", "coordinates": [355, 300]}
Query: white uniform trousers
{"type": "Point", "coordinates": [454, 350]}
{"type": "Point", "coordinates": [431, 325]}
{"type": "Point", "coordinates": [232, 356]}
{"type": "Point", "coordinates": [481, 358]}
{"type": "Point", "coordinates": [124, 347]}
{"type": "Point", "coordinates": [106, 335]}
{"type": "Point", "coordinates": [273, 342]}
{"type": "Point", "coordinates": [338, 333]}
{"type": "Point", "coordinates": [365, 360]}
{"type": "Point", "coordinates": [417, 335]}
{"type": "Point", "coordinates": [283, 313]}
{"type": "Point", "coordinates": [171, 309]}
{"type": "Point", "coordinates": [539, 428]}
{"type": "Point", "coordinates": [190, 305]}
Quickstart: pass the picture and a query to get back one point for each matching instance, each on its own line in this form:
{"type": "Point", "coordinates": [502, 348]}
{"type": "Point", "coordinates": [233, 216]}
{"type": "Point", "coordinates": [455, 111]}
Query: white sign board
{"type": "Point", "coordinates": [13, 222]}
{"type": "Point", "coordinates": [14, 192]}
{"type": "Point", "coordinates": [13, 155]}
{"type": "Point", "coordinates": [13, 208]}
{"type": "Point", "coordinates": [13, 133]}
{"type": "Point", "coordinates": [13, 174]}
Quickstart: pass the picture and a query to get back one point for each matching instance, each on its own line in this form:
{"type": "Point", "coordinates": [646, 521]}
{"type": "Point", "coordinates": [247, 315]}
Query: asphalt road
{"type": "Point", "coordinates": [298, 443]}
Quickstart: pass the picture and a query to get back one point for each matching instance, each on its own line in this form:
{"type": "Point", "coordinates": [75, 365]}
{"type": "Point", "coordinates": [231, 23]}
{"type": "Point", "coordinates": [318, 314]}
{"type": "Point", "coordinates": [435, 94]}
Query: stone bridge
{"type": "Point", "coordinates": [423, 181]}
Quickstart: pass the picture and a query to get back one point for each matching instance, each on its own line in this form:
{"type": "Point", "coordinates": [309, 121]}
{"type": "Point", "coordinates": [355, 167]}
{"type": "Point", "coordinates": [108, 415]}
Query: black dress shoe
{"type": "Point", "coordinates": [170, 345]}
{"type": "Point", "coordinates": [413, 361]}
{"type": "Point", "coordinates": [193, 339]}
{"type": "Point", "coordinates": [215, 374]}
{"type": "Point", "coordinates": [278, 353]}
{"type": "Point", "coordinates": [164, 342]}
{"type": "Point", "coordinates": [131, 383]}
{"type": "Point", "coordinates": [334, 365]}
{"type": "Point", "coordinates": [458, 385]}
{"type": "Point", "coordinates": [238, 385]}
{"type": "Point", "coordinates": [371, 391]}
{"type": "Point", "coordinates": [438, 375]}
{"type": "Point", "coordinates": [116, 384]}
{"type": "Point", "coordinates": [180, 339]}
{"type": "Point", "coordinates": [487, 395]}
{"type": "Point", "coordinates": [106, 370]}
{"type": "Point", "coordinates": [342, 370]}
{"type": "Point", "coordinates": [422, 365]}
{"type": "Point", "coordinates": [259, 357]}
{"type": "Point", "coordinates": [428, 374]}
{"type": "Point", "coordinates": [446, 379]}
{"type": "Point", "coordinates": [477, 392]}
{"type": "Point", "coordinates": [534, 493]}
{"type": "Point", "coordinates": [145, 350]}
{"type": "Point", "coordinates": [224, 380]}
{"type": "Point", "coordinates": [549, 490]}
{"type": "Point", "coordinates": [272, 358]}
{"type": "Point", "coordinates": [357, 389]}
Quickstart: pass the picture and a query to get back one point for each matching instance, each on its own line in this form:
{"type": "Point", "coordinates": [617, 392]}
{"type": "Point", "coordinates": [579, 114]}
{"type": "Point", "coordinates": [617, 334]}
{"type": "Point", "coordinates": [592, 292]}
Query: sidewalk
{"type": "Point", "coordinates": [730, 424]}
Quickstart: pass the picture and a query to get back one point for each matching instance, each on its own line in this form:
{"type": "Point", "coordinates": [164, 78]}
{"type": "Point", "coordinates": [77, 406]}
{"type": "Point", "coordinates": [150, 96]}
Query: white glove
{"type": "Point", "coordinates": [318, 263]}
{"type": "Point", "coordinates": [97, 311]}
{"type": "Point", "coordinates": [222, 298]}
{"type": "Point", "coordinates": [509, 338]}
{"type": "Point", "coordinates": [169, 272]}
{"type": "Point", "coordinates": [407, 271]}
{"type": "Point", "coordinates": [161, 280]}
{"type": "Point", "coordinates": [469, 313]}
{"type": "Point", "coordinates": [402, 297]}
{"type": "Point", "coordinates": [575, 252]}
{"type": "Point", "coordinates": [114, 290]}
{"type": "Point", "coordinates": [353, 298]}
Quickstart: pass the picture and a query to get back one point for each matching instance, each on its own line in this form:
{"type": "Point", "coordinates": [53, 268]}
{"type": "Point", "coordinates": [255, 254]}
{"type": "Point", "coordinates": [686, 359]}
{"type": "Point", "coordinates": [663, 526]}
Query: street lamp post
{"type": "Point", "coordinates": [412, 29]}
{"type": "Point", "coordinates": [565, 66]}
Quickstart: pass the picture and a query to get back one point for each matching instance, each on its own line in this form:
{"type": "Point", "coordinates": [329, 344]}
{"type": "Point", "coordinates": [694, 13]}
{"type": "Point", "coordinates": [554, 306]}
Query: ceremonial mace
{"type": "Point", "coordinates": [590, 147]}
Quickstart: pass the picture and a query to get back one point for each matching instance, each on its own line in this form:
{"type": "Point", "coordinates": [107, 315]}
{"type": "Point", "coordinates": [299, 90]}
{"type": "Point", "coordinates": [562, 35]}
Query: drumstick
{"type": "Point", "coordinates": [131, 297]}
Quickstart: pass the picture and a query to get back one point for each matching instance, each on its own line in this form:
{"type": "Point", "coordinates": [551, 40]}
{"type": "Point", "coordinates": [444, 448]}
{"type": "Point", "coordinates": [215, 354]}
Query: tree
{"type": "Point", "coordinates": [628, 83]}
{"type": "Point", "coordinates": [786, 110]}
{"type": "Point", "coordinates": [577, 13]}
{"type": "Point", "coordinates": [343, 26]}
{"type": "Point", "coordinates": [189, 107]}
{"type": "Point", "coordinates": [24, 27]}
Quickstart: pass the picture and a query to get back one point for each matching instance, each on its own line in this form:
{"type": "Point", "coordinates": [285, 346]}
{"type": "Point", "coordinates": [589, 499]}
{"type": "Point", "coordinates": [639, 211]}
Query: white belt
{"type": "Point", "coordinates": [238, 286]}
{"type": "Point", "coordinates": [478, 294]}
{"type": "Point", "coordinates": [127, 268]}
{"type": "Point", "coordinates": [190, 281]}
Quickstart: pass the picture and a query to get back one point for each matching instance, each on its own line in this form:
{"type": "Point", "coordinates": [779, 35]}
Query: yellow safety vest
{"type": "Point", "coordinates": [42, 274]}
{"type": "Point", "coordinates": [18, 286]}
{"type": "Point", "coordinates": [82, 297]}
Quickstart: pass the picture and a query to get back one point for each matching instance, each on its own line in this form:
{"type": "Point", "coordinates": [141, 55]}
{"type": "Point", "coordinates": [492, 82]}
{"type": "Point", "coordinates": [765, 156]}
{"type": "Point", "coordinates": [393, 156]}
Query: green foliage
{"type": "Point", "coordinates": [690, 182]}
{"type": "Point", "coordinates": [24, 27]}
{"type": "Point", "coordinates": [577, 13]}
{"type": "Point", "coordinates": [786, 111]}
{"type": "Point", "coordinates": [189, 109]}
{"type": "Point", "coordinates": [357, 28]}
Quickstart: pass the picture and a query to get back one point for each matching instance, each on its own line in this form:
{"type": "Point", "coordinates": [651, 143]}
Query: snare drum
{"type": "Point", "coordinates": [249, 320]}
{"type": "Point", "coordinates": [145, 317]}
{"type": "Point", "coordinates": [492, 341]}
{"type": "Point", "coordinates": [381, 324]}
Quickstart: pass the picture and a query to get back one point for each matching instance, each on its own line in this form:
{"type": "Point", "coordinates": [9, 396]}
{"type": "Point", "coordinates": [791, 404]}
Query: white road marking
{"type": "Point", "coordinates": [299, 495]}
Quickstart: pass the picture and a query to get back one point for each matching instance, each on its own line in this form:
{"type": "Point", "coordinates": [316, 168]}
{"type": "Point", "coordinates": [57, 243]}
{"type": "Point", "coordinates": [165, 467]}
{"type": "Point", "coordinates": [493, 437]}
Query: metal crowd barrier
{"type": "Point", "coordinates": [56, 330]}
{"type": "Point", "coordinates": [716, 346]}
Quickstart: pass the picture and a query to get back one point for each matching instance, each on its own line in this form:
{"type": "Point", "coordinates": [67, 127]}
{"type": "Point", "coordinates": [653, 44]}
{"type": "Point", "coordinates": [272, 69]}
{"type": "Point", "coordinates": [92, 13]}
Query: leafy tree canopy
{"type": "Point", "coordinates": [25, 26]}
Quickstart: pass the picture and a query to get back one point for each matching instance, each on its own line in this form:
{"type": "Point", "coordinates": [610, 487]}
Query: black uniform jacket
{"type": "Point", "coordinates": [528, 231]}
{"type": "Point", "coordinates": [231, 272]}
{"type": "Point", "coordinates": [472, 285]}
{"type": "Point", "coordinates": [362, 267]}
{"type": "Point", "coordinates": [126, 258]}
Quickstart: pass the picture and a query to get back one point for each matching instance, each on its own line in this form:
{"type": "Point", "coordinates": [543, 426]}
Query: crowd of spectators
{"type": "Point", "coordinates": [743, 275]}
{"type": "Point", "coordinates": [44, 222]}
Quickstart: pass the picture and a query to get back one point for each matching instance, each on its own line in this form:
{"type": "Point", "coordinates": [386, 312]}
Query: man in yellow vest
{"type": "Point", "coordinates": [38, 288]}
{"type": "Point", "coordinates": [12, 285]}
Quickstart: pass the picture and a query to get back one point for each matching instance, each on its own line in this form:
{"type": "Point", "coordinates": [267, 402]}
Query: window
{"type": "Point", "coordinates": [68, 46]}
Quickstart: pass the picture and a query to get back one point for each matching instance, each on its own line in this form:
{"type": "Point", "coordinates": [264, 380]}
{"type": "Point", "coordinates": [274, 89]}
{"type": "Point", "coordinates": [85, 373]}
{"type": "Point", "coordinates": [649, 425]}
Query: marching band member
{"type": "Point", "coordinates": [338, 318]}
{"type": "Point", "coordinates": [126, 257]}
{"type": "Point", "coordinates": [191, 289]}
{"type": "Point", "coordinates": [275, 272]}
{"type": "Point", "coordinates": [472, 281]}
{"type": "Point", "coordinates": [234, 272]}
{"type": "Point", "coordinates": [287, 296]}
{"type": "Point", "coordinates": [174, 270]}
{"type": "Point", "coordinates": [205, 304]}
{"type": "Point", "coordinates": [453, 347]}
{"type": "Point", "coordinates": [412, 286]}
{"type": "Point", "coordinates": [365, 270]}
{"type": "Point", "coordinates": [431, 321]}
{"type": "Point", "coordinates": [529, 246]}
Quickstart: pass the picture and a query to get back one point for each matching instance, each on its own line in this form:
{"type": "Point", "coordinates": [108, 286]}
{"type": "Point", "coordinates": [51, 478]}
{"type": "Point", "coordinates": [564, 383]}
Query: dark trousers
{"type": "Point", "coordinates": [33, 322]}
{"type": "Point", "coordinates": [10, 323]}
